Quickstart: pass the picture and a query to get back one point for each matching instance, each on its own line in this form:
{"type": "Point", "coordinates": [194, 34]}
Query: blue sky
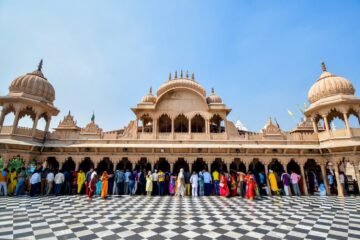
{"type": "Point", "coordinates": [260, 56]}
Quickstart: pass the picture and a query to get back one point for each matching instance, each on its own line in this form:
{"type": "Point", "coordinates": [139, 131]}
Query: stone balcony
{"type": "Point", "coordinates": [339, 134]}
{"type": "Point", "coordinates": [21, 132]}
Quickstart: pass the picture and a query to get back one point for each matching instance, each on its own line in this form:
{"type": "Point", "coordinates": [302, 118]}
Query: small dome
{"type": "Point", "coordinates": [35, 85]}
{"type": "Point", "coordinates": [149, 98]}
{"type": "Point", "coordinates": [329, 85]}
{"type": "Point", "coordinates": [213, 98]}
{"type": "Point", "coordinates": [182, 82]}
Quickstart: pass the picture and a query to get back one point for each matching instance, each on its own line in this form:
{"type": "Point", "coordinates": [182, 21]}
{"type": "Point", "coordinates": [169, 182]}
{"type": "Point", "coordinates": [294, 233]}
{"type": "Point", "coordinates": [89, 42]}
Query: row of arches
{"type": "Point", "coordinates": [182, 124]}
{"type": "Point", "coordinates": [336, 119]}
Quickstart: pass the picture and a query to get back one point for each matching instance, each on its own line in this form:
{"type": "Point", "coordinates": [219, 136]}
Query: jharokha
{"type": "Point", "coordinates": [182, 127]}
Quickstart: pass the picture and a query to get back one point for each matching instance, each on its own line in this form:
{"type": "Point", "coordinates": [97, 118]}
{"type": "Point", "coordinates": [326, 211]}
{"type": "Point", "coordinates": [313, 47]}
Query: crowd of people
{"type": "Point", "coordinates": [159, 183]}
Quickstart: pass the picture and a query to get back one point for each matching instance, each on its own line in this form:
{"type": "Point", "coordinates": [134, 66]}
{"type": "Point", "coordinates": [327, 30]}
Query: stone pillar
{"type": "Point", "coordinates": [323, 172]}
{"type": "Point", "coordinates": [35, 125]}
{"type": "Point", "coordinates": [47, 125]}
{"type": "Point", "coordinates": [208, 165]}
{"type": "Point", "coordinates": [16, 121]}
{"type": "Point", "coordinates": [314, 125]}
{"type": "Point", "coordinates": [61, 164]}
{"type": "Point", "coordinates": [189, 130]}
{"type": "Point", "coordinates": [77, 165]}
{"type": "Point", "coordinates": [2, 118]}
{"type": "Point", "coordinates": [267, 178]}
{"type": "Point", "coordinates": [326, 123]}
{"type": "Point", "coordinates": [346, 120]}
{"type": "Point", "coordinates": [137, 127]}
{"type": "Point", "coordinates": [228, 166]}
{"type": "Point", "coordinates": [356, 169]}
{"type": "Point", "coordinates": [338, 184]}
{"type": "Point", "coordinates": [154, 128]}
{"type": "Point", "coordinates": [171, 167]}
{"type": "Point", "coordinates": [306, 192]}
{"type": "Point", "coordinates": [284, 164]}
{"type": "Point", "coordinates": [172, 127]}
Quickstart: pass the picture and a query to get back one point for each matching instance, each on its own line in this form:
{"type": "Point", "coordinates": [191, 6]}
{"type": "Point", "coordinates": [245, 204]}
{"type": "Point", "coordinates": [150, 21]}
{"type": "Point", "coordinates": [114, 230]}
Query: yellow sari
{"type": "Point", "coordinates": [12, 183]}
{"type": "Point", "coordinates": [273, 182]}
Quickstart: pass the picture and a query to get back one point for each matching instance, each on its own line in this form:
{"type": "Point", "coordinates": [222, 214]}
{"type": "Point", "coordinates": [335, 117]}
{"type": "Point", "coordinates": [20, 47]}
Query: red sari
{"type": "Point", "coordinates": [233, 186]}
{"type": "Point", "coordinates": [250, 184]}
{"type": "Point", "coordinates": [224, 189]}
{"type": "Point", "coordinates": [92, 187]}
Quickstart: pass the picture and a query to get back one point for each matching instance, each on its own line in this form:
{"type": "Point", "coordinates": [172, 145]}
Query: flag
{"type": "Point", "coordinates": [290, 113]}
{"type": "Point", "coordinates": [93, 117]}
{"type": "Point", "coordinates": [277, 124]}
{"type": "Point", "coordinates": [300, 109]}
{"type": "Point", "coordinates": [305, 106]}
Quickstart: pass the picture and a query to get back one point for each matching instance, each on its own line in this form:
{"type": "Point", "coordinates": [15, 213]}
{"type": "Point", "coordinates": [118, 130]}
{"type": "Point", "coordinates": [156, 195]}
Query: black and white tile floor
{"type": "Point", "coordinates": [140, 217]}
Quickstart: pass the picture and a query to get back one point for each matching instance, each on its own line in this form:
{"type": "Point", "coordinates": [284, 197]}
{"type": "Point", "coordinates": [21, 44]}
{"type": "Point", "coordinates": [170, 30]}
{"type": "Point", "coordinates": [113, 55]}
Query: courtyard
{"type": "Point", "coordinates": [139, 217]}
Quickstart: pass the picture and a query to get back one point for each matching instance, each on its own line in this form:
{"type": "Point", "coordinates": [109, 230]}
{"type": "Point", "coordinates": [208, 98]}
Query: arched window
{"type": "Point", "coordinates": [197, 124]}
{"type": "Point", "coordinates": [9, 116]}
{"type": "Point", "coordinates": [145, 124]}
{"type": "Point", "coordinates": [164, 124]}
{"type": "Point", "coordinates": [26, 118]}
{"type": "Point", "coordinates": [181, 124]}
{"type": "Point", "coordinates": [217, 124]}
{"type": "Point", "coordinates": [354, 119]}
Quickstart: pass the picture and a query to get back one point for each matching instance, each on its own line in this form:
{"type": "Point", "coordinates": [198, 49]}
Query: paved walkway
{"type": "Point", "coordinates": [140, 217]}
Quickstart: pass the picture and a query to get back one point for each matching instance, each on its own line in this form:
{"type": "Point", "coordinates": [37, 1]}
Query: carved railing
{"type": "Point", "coordinates": [6, 130]}
{"type": "Point", "coordinates": [23, 131]}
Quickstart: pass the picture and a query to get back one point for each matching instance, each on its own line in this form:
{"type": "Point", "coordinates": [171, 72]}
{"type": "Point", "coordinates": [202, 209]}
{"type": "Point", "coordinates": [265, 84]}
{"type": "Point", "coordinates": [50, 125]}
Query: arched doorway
{"type": "Point", "coordinates": [238, 166]}
{"type": "Point", "coordinates": [124, 164]}
{"type": "Point", "coordinates": [52, 163]}
{"type": "Point", "coordinates": [69, 165]}
{"type": "Point", "coordinates": [181, 124]}
{"type": "Point", "coordinates": [86, 164]}
{"type": "Point", "coordinates": [180, 163]}
{"type": "Point", "coordinates": [143, 164]}
{"type": "Point", "coordinates": [218, 165]}
{"type": "Point", "coordinates": [257, 167]}
{"type": "Point", "coordinates": [197, 124]}
{"type": "Point", "coordinates": [199, 165]}
{"type": "Point", "coordinates": [163, 165]}
{"type": "Point", "coordinates": [276, 166]}
{"type": "Point", "coordinates": [292, 166]}
{"type": "Point", "coordinates": [164, 124]}
{"type": "Point", "coordinates": [105, 165]}
{"type": "Point", "coordinates": [313, 175]}
{"type": "Point", "coordinates": [217, 124]}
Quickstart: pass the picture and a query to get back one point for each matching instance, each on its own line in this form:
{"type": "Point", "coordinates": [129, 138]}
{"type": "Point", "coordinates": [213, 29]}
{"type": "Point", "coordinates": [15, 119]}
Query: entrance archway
{"type": "Point", "coordinates": [105, 165]}
{"type": "Point", "coordinates": [181, 124]}
{"type": "Point", "coordinates": [124, 164]}
{"type": "Point", "coordinates": [52, 163]}
{"type": "Point", "coordinates": [69, 165]}
{"type": "Point", "coordinates": [292, 166]}
{"type": "Point", "coordinates": [143, 164]}
{"type": "Point", "coordinates": [197, 124]}
{"type": "Point", "coordinates": [164, 124]}
{"type": "Point", "coordinates": [276, 166]}
{"type": "Point", "coordinates": [199, 165]}
{"type": "Point", "coordinates": [218, 165]}
{"type": "Point", "coordinates": [163, 165]}
{"type": "Point", "coordinates": [86, 164]}
{"type": "Point", "coordinates": [313, 175]}
{"type": "Point", "coordinates": [180, 163]}
{"type": "Point", "coordinates": [238, 166]}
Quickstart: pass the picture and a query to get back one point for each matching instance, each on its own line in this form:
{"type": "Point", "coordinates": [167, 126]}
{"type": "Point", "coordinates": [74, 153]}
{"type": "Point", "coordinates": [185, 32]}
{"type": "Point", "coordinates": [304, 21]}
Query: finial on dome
{"type": "Point", "coordinates": [193, 76]}
{"type": "Point", "coordinates": [175, 74]}
{"type": "Point", "coordinates": [212, 91]}
{"type": "Point", "coordinates": [187, 74]}
{"type": "Point", "coordinates": [69, 114]}
{"type": "Point", "coordinates": [181, 73]}
{"type": "Point", "coordinates": [40, 65]}
{"type": "Point", "coordinates": [169, 76]}
{"type": "Point", "coordinates": [150, 90]}
{"type": "Point", "coordinates": [323, 67]}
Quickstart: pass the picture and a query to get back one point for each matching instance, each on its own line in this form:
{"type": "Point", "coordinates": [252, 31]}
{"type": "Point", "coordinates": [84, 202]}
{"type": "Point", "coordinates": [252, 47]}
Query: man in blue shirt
{"type": "Point", "coordinates": [126, 182]}
{"type": "Point", "coordinates": [207, 182]}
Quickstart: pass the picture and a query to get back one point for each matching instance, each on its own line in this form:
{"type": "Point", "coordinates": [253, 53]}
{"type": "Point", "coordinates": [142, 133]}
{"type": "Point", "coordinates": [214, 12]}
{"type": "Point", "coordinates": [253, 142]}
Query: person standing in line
{"type": "Point", "coordinates": [21, 177]}
{"type": "Point", "coordinates": [187, 183]}
{"type": "Point", "coordinates": [68, 181]}
{"type": "Point", "coordinates": [142, 179]}
{"type": "Point", "coordinates": [224, 188]}
{"type": "Point", "coordinates": [12, 182]}
{"type": "Point", "coordinates": [116, 189]}
{"type": "Point", "coordinates": [127, 181]}
{"type": "Point", "coordinates": [49, 182]}
{"type": "Point", "coordinates": [343, 182]}
{"type": "Point", "coordinates": [273, 182]}
{"type": "Point", "coordinates": [87, 180]}
{"type": "Point", "coordinates": [233, 187]}
{"type": "Point", "coordinates": [194, 180]}
{"type": "Point", "coordinates": [35, 182]}
{"type": "Point", "coordinates": [207, 183]}
{"type": "Point", "coordinates": [80, 181]}
{"type": "Point", "coordinates": [59, 181]}
{"type": "Point", "coordinates": [201, 183]}
{"type": "Point", "coordinates": [149, 184]}
{"type": "Point", "coordinates": [295, 178]}
{"type": "Point", "coordinates": [92, 186]}
{"type": "Point", "coordinates": [330, 178]}
{"type": "Point", "coordinates": [285, 178]}
{"type": "Point", "coordinates": [155, 180]}
{"type": "Point", "coordinates": [161, 182]}
{"type": "Point", "coordinates": [104, 186]}
{"type": "Point", "coordinates": [120, 179]}
{"type": "Point", "coordinates": [3, 180]}
{"type": "Point", "coordinates": [180, 184]}
{"type": "Point", "coordinates": [241, 183]}
{"type": "Point", "coordinates": [172, 184]}
{"type": "Point", "coordinates": [215, 176]}
{"type": "Point", "coordinates": [250, 186]}
{"type": "Point", "coordinates": [131, 183]}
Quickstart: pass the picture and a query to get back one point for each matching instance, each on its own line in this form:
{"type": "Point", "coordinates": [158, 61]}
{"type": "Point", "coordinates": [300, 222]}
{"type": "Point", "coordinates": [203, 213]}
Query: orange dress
{"type": "Point", "coordinates": [104, 187]}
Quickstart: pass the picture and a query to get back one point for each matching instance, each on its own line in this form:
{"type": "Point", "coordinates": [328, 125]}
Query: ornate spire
{"type": "Point", "coordinates": [323, 67]}
{"type": "Point", "coordinates": [150, 91]}
{"type": "Point", "coordinates": [175, 74]}
{"type": "Point", "coordinates": [40, 65]}
{"type": "Point", "coordinates": [212, 91]}
{"type": "Point", "coordinates": [69, 114]}
{"type": "Point", "coordinates": [193, 76]}
{"type": "Point", "coordinates": [169, 76]}
{"type": "Point", "coordinates": [187, 74]}
{"type": "Point", "coordinates": [181, 73]}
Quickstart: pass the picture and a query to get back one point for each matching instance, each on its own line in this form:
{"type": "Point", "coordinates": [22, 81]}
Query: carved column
{"type": "Point", "coordinates": [338, 183]}
{"type": "Point", "coordinates": [323, 172]}
{"type": "Point", "coordinates": [155, 128]}
{"type": "Point", "coordinates": [189, 130]}
{"type": "Point", "coordinates": [171, 167]}
{"type": "Point", "coordinates": [2, 117]}
{"type": "Point", "coordinates": [35, 125]}
{"type": "Point", "coordinates": [314, 125]}
{"type": "Point", "coordinates": [16, 121]}
{"type": "Point", "coordinates": [306, 192]}
{"type": "Point", "coordinates": [326, 123]}
{"type": "Point", "coordinates": [172, 128]}
{"type": "Point", "coordinates": [346, 120]}
{"type": "Point", "coordinates": [47, 125]}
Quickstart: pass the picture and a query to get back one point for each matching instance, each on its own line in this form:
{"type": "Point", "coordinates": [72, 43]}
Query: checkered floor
{"type": "Point", "coordinates": [140, 217]}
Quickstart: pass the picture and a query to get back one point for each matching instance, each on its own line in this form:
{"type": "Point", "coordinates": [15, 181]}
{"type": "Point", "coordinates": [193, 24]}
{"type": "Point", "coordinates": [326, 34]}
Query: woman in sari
{"type": "Point", "coordinates": [105, 185]}
{"type": "Point", "coordinates": [172, 185]}
{"type": "Point", "coordinates": [12, 182]}
{"type": "Point", "coordinates": [180, 184]}
{"type": "Point", "coordinates": [273, 182]}
{"type": "Point", "coordinates": [250, 186]}
{"type": "Point", "coordinates": [92, 186]}
{"type": "Point", "coordinates": [80, 181]}
{"type": "Point", "coordinates": [233, 186]}
{"type": "Point", "coordinates": [149, 184]}
{"type": "Point", "coordinates": [224, 189]}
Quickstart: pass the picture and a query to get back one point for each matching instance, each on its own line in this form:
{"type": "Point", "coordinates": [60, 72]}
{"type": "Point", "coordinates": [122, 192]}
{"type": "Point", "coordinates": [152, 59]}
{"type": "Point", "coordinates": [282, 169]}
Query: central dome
{"type": "Point", "coordinates": [182, 82]}
{"type": "Point", "coordinates": [329, 85]}
{"type": "Point", "coordinates": [33, 85]}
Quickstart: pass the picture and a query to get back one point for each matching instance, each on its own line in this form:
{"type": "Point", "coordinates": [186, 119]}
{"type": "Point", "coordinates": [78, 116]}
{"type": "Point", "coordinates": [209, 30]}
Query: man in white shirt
{"type": "Point", "coordinates": [155, 176]}
{"type": "Point", "coordinates": [59, 180]}
{"type": "Point", "coordinates": [35, 182]}
{"type": "Point", "coordinates": [49, 182]}
{"type": "Point", "coordinates": [342, 181]}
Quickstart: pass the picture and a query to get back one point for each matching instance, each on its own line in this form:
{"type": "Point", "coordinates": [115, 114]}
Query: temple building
{"type": "Point", "coordinates": [181, 126]}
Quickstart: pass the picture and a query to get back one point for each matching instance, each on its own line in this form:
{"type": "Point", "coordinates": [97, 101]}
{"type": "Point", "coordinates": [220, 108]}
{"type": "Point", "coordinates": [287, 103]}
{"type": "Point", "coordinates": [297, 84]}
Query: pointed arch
{"type": "Point", "coordinates": [86, 164]}
{"type": "Point", "coordinates": [198, 124]}
{"type": "Point", "coordinates": [69, 165]}
{"type": "Point", "coordinates": [181, 124]}
{"type": "Point", "coordinates": [165, 124]}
